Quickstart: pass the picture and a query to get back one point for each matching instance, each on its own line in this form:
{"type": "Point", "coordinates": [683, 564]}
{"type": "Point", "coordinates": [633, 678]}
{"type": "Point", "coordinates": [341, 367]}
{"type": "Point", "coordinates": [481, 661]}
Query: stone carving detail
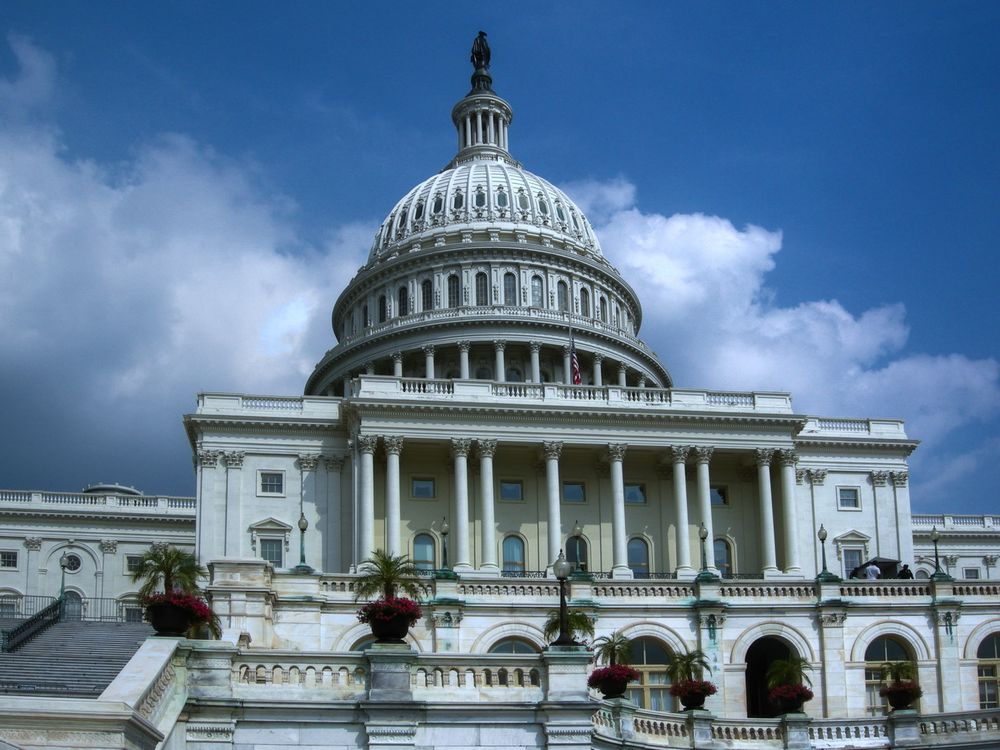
{"type": "Point", "coordinates": [487, 448]}
{"type": "Point", "coordinates": [33, 543]}
{"type": "Point", "coordinates": [900, 478]}
{"type": "Point", "coordinates": [534, 346]}
{"type": "Point", "coordinates": [208, 459]}
{"type": "Point", "coordinates": [108, 546]}
{"type": "Point", "coordinates": [800, 476]}
{"type": "Point", "coordinates": [788, 457]}
{"type": "Point", "coordinates": [703, 453]}
{"type": "Point", "coordinates": [946, 616]}
{"type": "Point", "coordinates": [460, 447]}
{"type": "Point", "coordinates": [833, 618]}
{"type": "Point", "coordinates": [428, 350]}
{"type": "Point", "coordinates": [499, 345]}
{"type": "Point", "coordinates": [464, 346]}
{"type": "Point", "coordinates": [763, 456]}
{"type": "Point", "coordinates": [568, 735]}
{"type": "Point", "coordinates": [817, 477]}
{"type": "Point", "coordinates": [156, 692]}
{"type": "Point", "coordinates": [393, 444]}
{"type": "Point", "coordinates": [447, 619]}
{"type": "Point", "coordinates": [679, 453]}
{"type": "Point", "coordinates": [616, 451]}
{"type": "Point", "coordinates": [209, 733]}
{"type": "Point", "coordinates": [703, 619]}
{"type": "Point", "coordinates": [552, 449]}
{"type": "Point", "coordinates": [334, 463]}
{"type": "Point", "coordinates": [234, 459]}
{"type": "Point", "coordinates": [392, 735]}
{"type": "Point", "coordinates": [308, 462]}
{"type": "Point", "coordinates": [397, 357]}
{"type": "Point", "coordinates": [367, 443]}
{"type": "Point", "coordinates": [159, 546]}
{"type": "Point", "coordinates": [880, 478]}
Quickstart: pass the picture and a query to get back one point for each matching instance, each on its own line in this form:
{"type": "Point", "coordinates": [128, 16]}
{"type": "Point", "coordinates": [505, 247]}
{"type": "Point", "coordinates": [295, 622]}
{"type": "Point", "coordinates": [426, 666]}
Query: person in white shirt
{"type": "Point", "coordinates": [872, 571]}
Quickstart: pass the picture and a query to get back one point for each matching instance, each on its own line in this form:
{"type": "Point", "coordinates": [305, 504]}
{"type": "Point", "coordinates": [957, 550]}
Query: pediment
{"type": "Point", "coordinates": [852, 537]}
{"type": "Point", "coordinates": [270, 524]}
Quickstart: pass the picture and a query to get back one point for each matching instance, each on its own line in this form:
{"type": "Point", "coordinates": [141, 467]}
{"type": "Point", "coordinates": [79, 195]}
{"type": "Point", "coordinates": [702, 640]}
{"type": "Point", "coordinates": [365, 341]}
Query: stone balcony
{"type": "Point", "coordinates": [34, 501]}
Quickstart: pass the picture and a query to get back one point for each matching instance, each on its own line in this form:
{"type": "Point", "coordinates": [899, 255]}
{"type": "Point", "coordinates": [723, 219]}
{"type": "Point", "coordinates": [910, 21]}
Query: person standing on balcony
{"type": "Point", "coordinates": [872, 571]}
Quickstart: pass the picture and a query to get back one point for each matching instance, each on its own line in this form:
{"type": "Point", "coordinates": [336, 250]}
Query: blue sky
{"type": "Point", "coordinates": [804, 194]}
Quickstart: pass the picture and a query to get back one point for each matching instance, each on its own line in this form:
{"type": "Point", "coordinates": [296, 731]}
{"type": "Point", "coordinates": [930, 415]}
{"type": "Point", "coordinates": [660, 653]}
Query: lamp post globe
{"type": "Point", "coordinates": [825, 575]}
{"type": "Point", "coordinates": [561, 568]}
{"type": "Point", "coordinates": [445, 528]}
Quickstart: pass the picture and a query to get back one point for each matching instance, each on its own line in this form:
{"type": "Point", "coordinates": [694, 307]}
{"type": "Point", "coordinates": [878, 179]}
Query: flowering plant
{"type": "Point", "coordinates": [389, 609]}
{"type": "Point", "coordinates": [693, 687]}
{"type": "Point", "coordinates": [195, 605]}
{"type": "Point", "coordinates": [909, 687]}
{"type": "Point", "coordinates": [618, 672]}
{"type": "Point", "coordinates": [790, 693]}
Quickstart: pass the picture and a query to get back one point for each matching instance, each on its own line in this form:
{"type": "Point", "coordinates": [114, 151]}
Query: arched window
{"type": "Point", "coordinates": [522, 200]}
{"type": "Point", "coordinates": [989, 672]}
{"type": "Point", "coordinates": [418, 211]}
{"type": "Point", "coordinates": [618, 317]}
{"type": "Point", "coordinates": [604, 310]}
{"type": "Point", "coordinates": [509, 289]}
{"type": "Point", "coordinates": [401, 226]}
{"type": "Point", "coordinates": [423, 552]}
{"type": "Point", "coordinates": [72, 604]}
{"type": "Point", "coordinates": [885, 648]}
{"type": "Point", "coordinates": [480, 198]}
{"type": "Point", "coordinates": [438, 204]}
{"type": "Point", "coordinates": [482, 290]}
{"type": "Point", "coordinates": [723, 558]}
{"type": "Point", "coordinates": [638, 557]}
{"type": "Point", "coordinates": [576, 552]}
{"type": "Point", "coordinates": [458, 201]}
{"type": "Point", "coordinates": [383, 311]}
{"type": "Point", "coordinates": [403, 300]}
{"type": "Point", "coordinates": [536, 291]}
{"type": "Point", "coordinates": [513, 555]}
{"type": "Point", "coordinates": [652, 691]}
{"type": "Point", "coordinates": [426, 295]}
{"type": "Point", "coordinates": [923, 575]}
{"type": "Point", "coordinates": [543, 207]}
{"type": "Point", "coordinates": [513, 646]}
{"type": "Point", "coordinates": [560, 213]}
{"type": "Point", "coordinates": [364, 316]}
{"type": "Point", "coordinates": [453, 291]}
{"type": "Point", "coordinates": [562, 296]}
{"type": "Point", "coordinates": [585, 303]}
{"type": "Point", "coordinates": [501, 198]}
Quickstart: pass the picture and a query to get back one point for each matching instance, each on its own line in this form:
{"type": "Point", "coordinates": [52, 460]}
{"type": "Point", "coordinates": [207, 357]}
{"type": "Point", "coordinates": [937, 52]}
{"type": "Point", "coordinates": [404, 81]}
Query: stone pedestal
{"type": "Point", "coordinates": [796, 731]}
{"type": "Point", "coordinates": [389, 669]}
{"type": "Point", "coordinates": [903, 728]}
{"type": "Point", "coordinates": [699, 724]}
{"type": "Point", "coordinates": [622, 712]}
{"type": "Point", "coordinates": [567, 671]}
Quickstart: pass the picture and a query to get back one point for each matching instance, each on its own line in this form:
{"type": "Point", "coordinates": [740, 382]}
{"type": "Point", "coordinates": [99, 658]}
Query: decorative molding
{"type": "Point", "coordinates": [209, 733]}
{"type": "Point", "coordinates": [703, 453]}
{"type": "Point", "coordinates": [616, 451]}
{"type": "Point", "coordinates": [534, 346]}
{"type": "Point", "coordinates": [234, 459]}
{"type": "Point", "coordinates": [447, 619]}
{"type": "Point", "coordinates": [880, 478]}
{"type": "Point", "coordinates": [679, 453]}
{"type": "Point", "coordinates": [308, 462]}
{"type": "Point", "coordinates": [108, 546]}
{"type": "Point", "coordinates": [817, 477]}
{"type": "Point", "coordinates": [487, 447]}
{"type": "Point", "coordinates": [499, 345]}
{"type": "Point", "coordinates": [460, 447]}
{"type": "Point", "coordinates": [208, 459]}
{"type": "Point", "coordinates": [397, 357]}
{"type": "Point", "coordinates": [800, 476]}
{"type": "Point", "coordinates": [900, 478]}
{"type": "Point", "coordinates": [367, 443]}
{"type": "Point", "coordinates": [156, 691]}
{"type": "Point", "coordinates": [334, 463]}
{"type": "Point", "coordinates": [832, 618]}
{"type": "Point", "coordinates": [464, 346]}
{"type": "Point", "coordinates": [33, 543]}
{"type": "Point", "coordinates": [552, 449]}
{"type": "Point", "coordinates": [787, 457]}
{"type": "Point", "coordinates": [428, 350]}
{"type": "Point", "coordinates": [763, 456]}
{"type": "Point", "coordinates": [393, 444]}
{"type": "Point", "coordinates": [269, 527]}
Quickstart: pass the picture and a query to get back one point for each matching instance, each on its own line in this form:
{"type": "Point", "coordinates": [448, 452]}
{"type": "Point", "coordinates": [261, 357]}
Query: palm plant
{"type": "Point", "coordinates": [894, 672]}
{"type": "Point", "coordinates": [579, 623]}
{"type": "Point", "coordinates": [682, 667]}
{"type": "Point", "coordinates": [613, 648]}
{"type": "Point", "coordinates": [387, 574]}
{"type": "Point", "coordinates": [174, 569]}
{"type": "Point", "coordinates": [788, 671]}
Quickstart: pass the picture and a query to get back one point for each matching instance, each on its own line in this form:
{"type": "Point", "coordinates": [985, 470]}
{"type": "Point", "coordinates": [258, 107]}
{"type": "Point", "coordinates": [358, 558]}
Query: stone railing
{"type": "Point", "coordinates": [870, 732]}
{"type": "Point", "coordinates": [343, 674]}
{"type": "Point", "coordinates": [86, 502]}
{"type": "Point", "coordinates": [886, 429]}
{"type": "Point", "coordinates": [925, 522]}
{"type": "Point", "coordinates": [760, 732]}
{"type": "Point", "coordinates": [887, 588]}
{"type": "Point", "coordinates": [307, 407]}
{"type": "Point", "coordinates": [631, 589]}
{"type": "Point", "coordinates": [506, 588]}
{"type": "Point", "coordinates": [768, 590]}
{"type": "Point", "coordinates": [440, 672]}
{"type": "Point", "coordinates": [967, 725]}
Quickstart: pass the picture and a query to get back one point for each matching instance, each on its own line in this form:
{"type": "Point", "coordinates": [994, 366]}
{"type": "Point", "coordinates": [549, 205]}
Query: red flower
{"type": "Point", "coordinates": [199, 609]}
{"type": "Point", "coordinates": [790, 693]}
{"type": "Point", "coordinates": [616, 672]}
{"type": "Point", "coordinates": [693, 687]}
{"type": "Point", "coordinates": [389, 609]}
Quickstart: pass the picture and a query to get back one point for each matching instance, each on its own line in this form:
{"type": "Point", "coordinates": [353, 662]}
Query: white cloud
{"type": "Point", "coordinates": [34, 83]}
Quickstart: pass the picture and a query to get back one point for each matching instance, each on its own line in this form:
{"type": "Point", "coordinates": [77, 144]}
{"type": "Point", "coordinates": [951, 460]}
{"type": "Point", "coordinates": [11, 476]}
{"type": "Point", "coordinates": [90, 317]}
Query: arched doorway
{"type": "Point", "coordinates": [72, 606]}
{"type": "Point", "coordinates": [759, 657]}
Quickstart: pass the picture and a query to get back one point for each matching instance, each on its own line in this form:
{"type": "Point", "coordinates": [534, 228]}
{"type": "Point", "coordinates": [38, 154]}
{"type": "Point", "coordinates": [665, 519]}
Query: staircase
{"type": "Point", "coordinates": [71, 659]}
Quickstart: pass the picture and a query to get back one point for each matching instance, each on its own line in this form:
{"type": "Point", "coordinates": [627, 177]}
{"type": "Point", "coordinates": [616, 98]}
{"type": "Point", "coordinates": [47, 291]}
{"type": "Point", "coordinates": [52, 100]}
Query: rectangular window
{"type": "Point", "coordinates": [422, 488]}
{"type": "Point", "coordinates": [8, 559]}
{"type": "Point", "coordinates": [988, 687]}
{"type": "Point", "coordinates": [272, 482]}
{"type": "Point", "coordinates": [848, 498]}
{"type": "Point", "coordinates": [271, 550]}
{"type": "Point", "coordinates": [133, 614]}
{"type": "Point", "coordinates": [511, 490]}
{"type": "Point", "coordinates": [132, 563]}
{"type": "Point", "coordinates": [719, 495]}
{"type": "Point", "coordinates": [852, 560]}
{"type": "Point", "coordinates": [970, 573]}
{"type": "Point", "coordinates": [574, 492]}
{"type": "Point", "coordinates": [635, 493]}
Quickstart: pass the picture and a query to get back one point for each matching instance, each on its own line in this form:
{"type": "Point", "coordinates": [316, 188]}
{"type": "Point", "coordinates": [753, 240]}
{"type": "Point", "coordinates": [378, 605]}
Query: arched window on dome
{"type": "Point", "coordinates": [576, 224]}
{"type": "Point", "coordinates": [536, 291]}
{"type": "Point", "coordinates": [522, 200]}
{"type": "Point", "coordinates": [453, 290]}
{"type": "Point", "coordinates": [501, 198]}
{"type": "Point", "coordinates": [513, 555]}
{"type": "Point", "coordinates": [480, 198]}
{"type": "Point", "coordinates": [584, 303]}
{"type": "Point", "coordinates": [885, 648]}
{"type": "Point", "coordinates": [988, 655]}
{"type": "Point", "coordinates": [562, 296]}
{"type": "Point", "coordinates": [482, 289]}
{"type": "Point", "coordinates": [423, 552]}
{"type": "Point", "coordinates": [418, 211]}
{"type": "Point", "coordinates": [618, 317]}
{"type": "Point", "coordinates": [458, 201]}
{"type": "Point", "coordinates": [604, 310]}
{"type": "Point", "coordinates": [638, 557]}
{"type": "Point", "coordinates": [509, 289]}
{"type": "Point", "coordinates": [560, 212]}
{"type": "Point", "coordinates": [438, 205]}
{"type": "Point", "coordinates": [383, 309]}
{"type": "Point", "coordinates": [401, 225]}
{"type": "Point", "coordinates": [543, 207]}
{"type": "Point", "coordinates": [426, 295]}
{"type": "Point", "coordinates": [403, 301]}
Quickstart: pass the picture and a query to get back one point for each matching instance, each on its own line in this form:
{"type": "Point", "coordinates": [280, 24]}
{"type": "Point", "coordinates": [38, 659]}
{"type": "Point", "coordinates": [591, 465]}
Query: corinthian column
{"type": "Point", "coordinates": [598, 375]}
{"type": "Point", "coordinates": [552, 450]}
{"type": "Point", "coordinates": [393, 447]}
{"type": "Point", "coordinates": [366, 513]}
{"type": "Point", "coordinates": [536, 369]}
{"type": "Point", "coordinates": [463, 359]}
{"type": "Point", "coordinates": [619, 538]}
{"type": "Point", "coordinates": [763, 456]}
{"type": "Point", "coordinates": [501, 366]}
{"type": "Point", "coordinates": [703, 455]}
{"type": "Point", "coordinates": [487, 449]}
{"type": "Point", "coordinates": [678, 454]}
{"type": "Point", "coordinates": [429, 362]}
{"type": "Point", "coordinates": [460, 452]}
{"type": "Point", "coordinates": [788, 459]}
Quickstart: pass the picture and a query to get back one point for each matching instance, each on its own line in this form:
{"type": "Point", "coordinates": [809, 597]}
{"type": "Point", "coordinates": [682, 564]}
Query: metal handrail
{"type": "Point", "coordinates": [14, 637]}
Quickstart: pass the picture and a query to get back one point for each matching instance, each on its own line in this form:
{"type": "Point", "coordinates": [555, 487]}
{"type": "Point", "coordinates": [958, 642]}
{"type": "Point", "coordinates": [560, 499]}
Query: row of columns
{"type": "Point", "coordinates": [552, 452]}
{"type": "Point", "coordinates": [479, 130]}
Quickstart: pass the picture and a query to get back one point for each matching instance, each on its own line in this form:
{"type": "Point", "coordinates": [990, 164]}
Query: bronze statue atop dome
{"type": "Point", "coordinates": [480, 52]}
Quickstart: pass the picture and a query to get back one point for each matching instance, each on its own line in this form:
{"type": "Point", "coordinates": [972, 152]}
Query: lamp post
{"type": "Point", "coordinates": [561, 568]}
{"type": "Point", "coordinates": [704, 574]}
{"type": "Point", "coordinates": [577, 533]}
{"type": "Point", "coordinates": [63, 563]}
{"type": "Point", "coordinates": [444, 542]}
{"type": "Point", "coordinates": [939, 575]}
{"type": "Point", "coordinates": [303, 525]}
{"type": "Point", "coordinates": [825, 575]}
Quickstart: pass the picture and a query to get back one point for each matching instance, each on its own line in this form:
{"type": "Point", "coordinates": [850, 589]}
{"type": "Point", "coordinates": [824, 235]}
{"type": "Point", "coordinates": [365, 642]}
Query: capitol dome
{"type": "Point", "coordinates": [487, 271]}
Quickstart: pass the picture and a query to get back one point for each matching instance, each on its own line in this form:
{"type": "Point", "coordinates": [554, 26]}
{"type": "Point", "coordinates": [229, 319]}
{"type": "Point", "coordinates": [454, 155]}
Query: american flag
{"type": "Point", "coordinates": [574, 363]}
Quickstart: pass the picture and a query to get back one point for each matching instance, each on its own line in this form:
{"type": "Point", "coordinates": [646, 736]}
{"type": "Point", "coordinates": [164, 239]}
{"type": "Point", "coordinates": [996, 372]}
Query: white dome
{"type": "Point", "coordinates": [490, 194]}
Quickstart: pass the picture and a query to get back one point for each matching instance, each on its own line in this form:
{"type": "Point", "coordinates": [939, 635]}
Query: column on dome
{"type": "Point", "coordinates": [552, 450]}
{"type": "Point", "coordinates": [429, 362]}
{"type": "Point", "coordinates": [347, 386]}
{"type": "Point", "coordinates": [393, 447]}
{"type": "Point", "coordinates": [703, 455]}
{"type": "Point", "coordinates": [463, 359]}
{"type": "Point", "coordinates": [366, 499]}
{"type": "Point", "coordinates": [567, 367]}
{"type": "Point", "coordinates": [788, 459]}
{"type": "Point", "coordinates": [369, 368]}
{"type": "Point", "coordinates": [763, 457]}
{"type": "Point", "coordinates": [468, 131]}
{"type": "Point", "coordinates": [334, 518]}
{"type": "Point", "coordinates": [489, 128]}
{"type": "Point", "coordinates": [487, 450]}
{"type": "Point", "coordinates": [622, 382]}
{"type": "Point", "coordinates": [536, 369]}
{"type": "Point", "coordinates": [460, 454]}
{"type": "Point", "coordinates": [598, 376]}
{"type": "Point", "coordinates": [479, 126]}
{"type": "Point", "coordinates": [501, 366]}
{"type": "Point", "coordinates": [234, 526]}
{"type": "Point", "coordinates": [397, 364]}
{"type": "Point", "coordinates": [678, 456]}
{"type": "Point", "coordinates": [619, 534]}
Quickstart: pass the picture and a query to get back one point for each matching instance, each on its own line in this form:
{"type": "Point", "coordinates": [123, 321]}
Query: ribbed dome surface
{"type": "Point", "coordinates": [483, 194]}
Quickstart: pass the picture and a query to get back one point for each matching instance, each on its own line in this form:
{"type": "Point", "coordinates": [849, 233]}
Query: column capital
{"type": "Point", "coordinates": [234, 459]}
{"type": "Point", "coordinates": [487, 448]}
{"type": "Point", "coordinates": [499, 345]}
{"type": "Point", "coordinates": [369, 366]}
{"type": "Point", "coordinates": [800, 476]}
{"type": "Point", "coordinates": [880, 478]}
{"type": "Point", "coordinates": [598, 358]}
{"type": "Point", "coordinates": [334, 463]}
{"type": "Point", "coordinates": [463, 346]}
{"type": "Point", "coordinates": [393, 444]}
{"type": "Point", "coordinates": [33, 543]}
{"type": "Point", "coordinates": [397, 356]}
{"type": "Point", "coordinates": [566, 350]}
{"type": "Point", "coordinates": [900, 478]}
{"type": "Point", "coordinates": [622, 367]}
{"type": "Point", "coordinates": [108, 546]}
{"type": "Point", "coordinates": [460, 447]}
{"type": "Point", "coordinates": [616, 451]}
{"type": "Point", "coordinates": [208, 459]}
{"type": "Point", "coordinates": [763, 456]}
{"type": "Point", "coordinates": [535, 346]}
{"type": "Point", "coordinates": [428, 349]}
{"type": "Point", "coordinates": [703, 453]}
{"type": "Point", "coordinates": [552, 449]}
{"type": "Point", "coordinates": [817, 477]}
{"type": "Point", "coordinates": [787, 457]}
{"type": "Point", "coordinates": [367, 443]}
{"type": "Point", "coordinates": [308, 461]}
{"type": "Point", "coordinates": [679, 453]}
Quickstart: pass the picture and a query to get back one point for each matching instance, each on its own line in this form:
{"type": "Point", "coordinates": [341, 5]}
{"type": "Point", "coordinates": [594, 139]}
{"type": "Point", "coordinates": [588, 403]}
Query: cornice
{"type": "Point", "coordinates": [103, 515]}
{"type": "Point", "coordinates": [867, 443]}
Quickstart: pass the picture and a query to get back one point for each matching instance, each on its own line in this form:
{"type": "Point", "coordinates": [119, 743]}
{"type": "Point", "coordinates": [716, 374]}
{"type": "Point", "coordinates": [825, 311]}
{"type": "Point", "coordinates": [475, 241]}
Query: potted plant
{"type": "Point", "coordinates": [685, 686]}
{"type": "Point", "coordinates": [579, 623]}
{"type": "Point", "coordinates": [390, 616]}
{"type": "Point", "coordinates": [899, 687]}
{"type": "Point", "coordinates": [179, 609]}
{"type": "Point", "coordinates": [786, 680]}
{"type": "Point", "coordinates": [615, 650]}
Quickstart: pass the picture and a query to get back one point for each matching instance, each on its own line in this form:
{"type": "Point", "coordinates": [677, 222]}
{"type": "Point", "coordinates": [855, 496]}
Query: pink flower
{"type": "Point", "coordinates": [693, 687]}
{"type": "Point", "coordinates": [389, 609]}
{"type": "Point", "coordinates": [790, 693]}
{"type": "Point", "coordinates": [616, 672]}
{"type": "Point", "coordinates": [199, 609]}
